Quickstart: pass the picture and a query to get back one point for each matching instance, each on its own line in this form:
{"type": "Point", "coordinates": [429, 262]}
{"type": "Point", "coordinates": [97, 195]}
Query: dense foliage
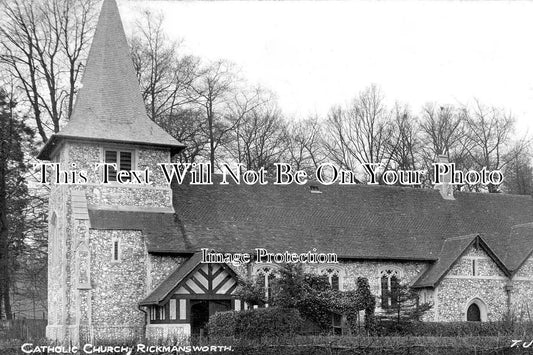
{"type": "Point", "coordinates": [255, 323]}
{"type": "Point", "coordinates": [312, 296]}
{"type": "Point", "coordinates": [406, 306]}
{"type": "Point", "coordinates": [14, 197]}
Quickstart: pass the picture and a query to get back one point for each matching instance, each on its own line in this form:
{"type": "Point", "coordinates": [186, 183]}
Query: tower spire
{"type": "Point", "coordinates": [109, 105]}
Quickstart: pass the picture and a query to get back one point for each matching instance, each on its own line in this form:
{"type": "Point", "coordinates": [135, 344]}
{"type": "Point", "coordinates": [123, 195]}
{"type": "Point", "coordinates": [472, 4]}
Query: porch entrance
{"type": "Point", "coordinates": [201, 310]}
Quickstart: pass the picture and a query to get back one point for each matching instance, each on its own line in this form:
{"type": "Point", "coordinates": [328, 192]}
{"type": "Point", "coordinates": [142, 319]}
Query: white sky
{"type": "Point", "coordinates": [314, 54]}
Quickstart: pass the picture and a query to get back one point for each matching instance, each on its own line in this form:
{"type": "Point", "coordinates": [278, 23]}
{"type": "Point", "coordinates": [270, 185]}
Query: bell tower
{"type": "Point", "coordinates": [96, 277]}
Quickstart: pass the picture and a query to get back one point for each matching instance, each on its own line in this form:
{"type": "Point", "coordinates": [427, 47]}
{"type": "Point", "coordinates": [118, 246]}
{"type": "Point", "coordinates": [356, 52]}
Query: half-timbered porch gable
{"type": "Point", "coordinates": [194, 279]}
{"type": "Point", "coordinates": [190, 295]}
{"type": "Point", "coordinates": [209, 279]}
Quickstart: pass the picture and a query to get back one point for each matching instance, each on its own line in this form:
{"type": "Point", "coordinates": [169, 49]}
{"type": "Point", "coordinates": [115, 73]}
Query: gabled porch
{"type": "Point", "coordinates": [182, 304]}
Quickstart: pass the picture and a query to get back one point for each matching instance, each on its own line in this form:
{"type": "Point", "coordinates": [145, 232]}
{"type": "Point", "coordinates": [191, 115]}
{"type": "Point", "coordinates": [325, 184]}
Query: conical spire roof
{"type": "Point", "coordinates": [109, 105]}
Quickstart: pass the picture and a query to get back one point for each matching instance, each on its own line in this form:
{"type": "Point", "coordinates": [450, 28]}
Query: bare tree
{"type": "Point", "coordinates": [519, 171]}
{"type": "Point", "coordinates": [443, 132]}
{"type": "Point", "coordinates": [404, 148]}
{"type": "Point", "coordinates": [258, 139]}
{"type": "Point", "coordinates": [43, 45]}
{"type": "Point", "coordinates": [361, 133]}
{"type": "Point", "coordinates": [212, 91]}
{"type": "Point", "coordinates": [489, 136]}
{"type": "Point", "coordinates": [304, 144]}
{"type": "Point", "coordinates": [166, 78]}
{"type": "Point", "coordinates": [164, 75]}
{"type": "Point", "coordinates": [188, 126]}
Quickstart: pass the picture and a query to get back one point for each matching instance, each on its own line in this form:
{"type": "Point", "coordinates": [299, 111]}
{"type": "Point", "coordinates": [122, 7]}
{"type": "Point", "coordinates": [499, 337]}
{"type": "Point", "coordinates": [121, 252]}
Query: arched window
{"type": "Point", "coordinates": [389, 284]}
{"type": "Point", "coordinates": [334, 277]}
{"type": "Point", "coordinates": [476, 311]}
{"type": "Point", "coordinates": [473, 314]}
{"type": "Point", "coordinates": [265, 276]}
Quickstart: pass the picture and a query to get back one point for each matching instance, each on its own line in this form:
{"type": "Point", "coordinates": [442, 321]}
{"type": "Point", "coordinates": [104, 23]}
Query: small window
{"type": "Point", "coordinates": [123, 159]}
{"type": "Point", "coordinates": [183, 309]}
{"type": "Point", "coordinates": [116, 250]}
{"type": "Point", "coordinates": [315, 189]}
{"type": "Point", "coordinates": [336, 322]}
{"type": "Point", "coordinates": [335, 282]}
{"type": "Point", "coordinates": [390, 283]}
{"type": "Point", "coordinates": [172, 309]}
{"type": "Point", "coordinates": [474, 273]}
{"type": "Point", "coordinates": [162, 313]}
{"type": "Point", "coordinates": [265, 277]}
{"type": "Point", "coordinates": [333, 277]}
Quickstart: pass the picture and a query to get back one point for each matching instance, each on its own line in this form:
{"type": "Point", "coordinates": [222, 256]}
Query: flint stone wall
{"type": "Point", "coordinates": [117, 286]}
{"type": "Point", "coordinates": [156, 195]}
{"type": "Point", "coordinates": [460, 286]}
{"type": "Point", "coordinates": [522, 292]}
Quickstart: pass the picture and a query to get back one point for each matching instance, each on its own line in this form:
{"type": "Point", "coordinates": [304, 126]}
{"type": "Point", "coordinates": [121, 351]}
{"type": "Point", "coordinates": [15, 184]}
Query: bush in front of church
{"type": "Point", "coordinates": [256, 323]}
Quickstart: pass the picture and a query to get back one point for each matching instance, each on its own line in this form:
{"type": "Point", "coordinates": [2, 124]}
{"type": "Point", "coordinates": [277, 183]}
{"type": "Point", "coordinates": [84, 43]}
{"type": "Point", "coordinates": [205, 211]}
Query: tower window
{"type": "Point", "coordinates": [116, 250]}
{"type": "Point", "coordinates": [123, 159]}
{"type": "Point", "coordinates": [474, 273]}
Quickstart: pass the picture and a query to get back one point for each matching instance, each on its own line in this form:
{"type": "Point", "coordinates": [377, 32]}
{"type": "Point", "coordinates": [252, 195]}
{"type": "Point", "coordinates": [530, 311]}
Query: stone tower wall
{"type": "Point", "coordinates": [91, 297]}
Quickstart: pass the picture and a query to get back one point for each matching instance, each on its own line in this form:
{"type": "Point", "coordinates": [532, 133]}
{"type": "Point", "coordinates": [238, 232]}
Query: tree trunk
{"type": "Point", "coordinates": [210, 119]}
{"type": "Point", "coordinates": [4, 255]}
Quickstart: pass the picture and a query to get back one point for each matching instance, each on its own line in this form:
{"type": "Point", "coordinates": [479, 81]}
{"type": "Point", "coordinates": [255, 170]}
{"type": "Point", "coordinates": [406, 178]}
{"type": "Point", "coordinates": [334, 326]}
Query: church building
{"type": "Point", "coordinates": [125, 260]}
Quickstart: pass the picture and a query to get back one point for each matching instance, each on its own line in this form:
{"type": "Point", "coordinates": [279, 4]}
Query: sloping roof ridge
{"type": "Point", "coordinates": [162, 292]}
{"type": "Point", "coordinates": [529, 224]}
{"type": "Point", "coordinates": [429, 190]}
{"type": "Point", "coordinates": [494, 256]}
{"type": "Point", "coordinates": [466, 236]}
{"type": "Point", "coordinates": [502, 194]}
{"type": "Point", "coordinates": [170, 282]}
{"type": "Point", "coordinates": [448, 264]}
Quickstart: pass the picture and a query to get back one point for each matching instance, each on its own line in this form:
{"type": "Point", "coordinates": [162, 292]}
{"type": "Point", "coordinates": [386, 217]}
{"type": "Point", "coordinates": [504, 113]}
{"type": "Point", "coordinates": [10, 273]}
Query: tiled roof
{"type": "Point", "coordinates": [452, 250]}
{"type": "Point", "coordinates": [109, 106]}
{"type": "Point", "coordinates": [358, 221]}
{"type": "Point", "coordinates": [158, 295]}
{"type": "Point", "coordinates": [515, 249]}
{"type": "Point", "coordinates": [156, 226]}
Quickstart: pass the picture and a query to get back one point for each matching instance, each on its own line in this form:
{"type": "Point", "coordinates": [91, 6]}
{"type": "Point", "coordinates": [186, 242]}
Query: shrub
{"type": "Point", "coordinates": [256, 323]}
{"type": "Point", "coordinates": [222, 324]}
{"type": "Point", "coordinates": [23, 328]}
{"type": "Point", "coordinates": [317, 308]}
{"type": "Point", "coordinates": [452, 329]}
{"type": "Point", "coordinates": [252, 292]}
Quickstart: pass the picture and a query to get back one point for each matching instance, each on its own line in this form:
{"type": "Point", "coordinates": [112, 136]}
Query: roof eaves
{"type": "Point", "coordinates": [513, 272]}
{"type": "Point", "coordinates": [387, 258]}
{"type": "Point", "coordinates": [418, 284]}
{"type": "Point", "coordinates": [46, 150]}
{"type": "Point", "coordinates": [161, 292]}
{"type": "Point", "coordinates": [494, 257]}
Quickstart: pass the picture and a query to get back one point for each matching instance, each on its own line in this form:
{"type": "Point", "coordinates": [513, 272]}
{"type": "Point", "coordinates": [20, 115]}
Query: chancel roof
{"type": "Point", "coordinates": [109, 105]}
